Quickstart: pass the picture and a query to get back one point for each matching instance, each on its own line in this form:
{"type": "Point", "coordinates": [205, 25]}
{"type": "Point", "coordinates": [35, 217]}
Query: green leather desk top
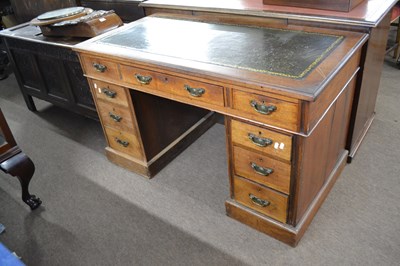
{"type": "Point", "coordinates": [293, 61]}
{"type": "Point", "coordinates": [280, 52]}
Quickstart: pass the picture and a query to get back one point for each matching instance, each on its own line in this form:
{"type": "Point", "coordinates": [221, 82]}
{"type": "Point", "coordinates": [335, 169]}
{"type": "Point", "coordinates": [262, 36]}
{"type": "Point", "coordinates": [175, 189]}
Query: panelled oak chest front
{"type": "Point", "coordinates": [46, 68]}
{"type": "Point", "coordinates": [286, 93]}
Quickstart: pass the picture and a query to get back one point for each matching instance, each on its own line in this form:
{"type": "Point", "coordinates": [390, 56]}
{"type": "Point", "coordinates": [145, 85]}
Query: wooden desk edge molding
{"type": "Point", "coordinates": [286, 127]}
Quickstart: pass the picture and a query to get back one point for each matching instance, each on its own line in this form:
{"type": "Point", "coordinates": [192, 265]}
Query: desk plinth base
{"type": "Point", "coordinates": [288, 234]}
{"type": "Point", "coordinates": [150, 168]}
{"type": "Point", "coordinates": [357, 142]}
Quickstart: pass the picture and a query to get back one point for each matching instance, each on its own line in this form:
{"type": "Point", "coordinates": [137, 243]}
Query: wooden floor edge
{"type": "Point", "coordinates": [264, 224]}
{"type": "Point", "coordinates": [127, 162]}
{"type": "Point", "coordinates": [283, 232]}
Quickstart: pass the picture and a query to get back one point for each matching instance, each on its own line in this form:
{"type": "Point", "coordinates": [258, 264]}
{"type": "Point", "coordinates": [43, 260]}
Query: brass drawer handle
{"type": "Point", "coordinates": [122, 142]}
{"type": "Point", "coordinates": [261, 170]}
{"type": "Point", "coordinates": [99, 67]}
{"type": "Point", "coordinates": [115, 117]}
{"type": "Point", "coordinates": [261, 142]}
{"type": "Point", "coordinates": [262, 108]}
{"type": "Point", "coordinates": [109, 93]}
{"type": "Point", "coordinates": [196, 92]}
{"type": "Point", "coordinates": [258, 201]}
{"type": "Point", "coordinates": [145, 80]}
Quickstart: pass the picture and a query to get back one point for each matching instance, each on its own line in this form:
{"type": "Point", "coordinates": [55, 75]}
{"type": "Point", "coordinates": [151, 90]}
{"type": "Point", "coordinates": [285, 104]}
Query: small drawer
{"type": "Point", "coordinates": [110, 93]}
{"type": "Point", "coordinates": [100, 68]}
{"type": "Point", "coordinates": [267, 110]}
{"type": "Point", "coordinates": [266, 141]}
{"type": "Point", "coordinates": [261, 199]}
{"type": "Point", "coordinates": [140, 77]}
{"type": "Point", "coordinates": [115, 116]}
{"type": "Point", "coordinates": [193, 91]}
{"type": "Point", "coordinates": [262, 169]}
{"type": "Point", "coordinates": [124, 142]}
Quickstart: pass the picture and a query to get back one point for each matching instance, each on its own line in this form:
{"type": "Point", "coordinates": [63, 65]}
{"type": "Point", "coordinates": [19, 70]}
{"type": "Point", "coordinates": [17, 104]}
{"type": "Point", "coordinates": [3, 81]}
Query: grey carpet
{"type": "Point", "coordinates": [95, 213]}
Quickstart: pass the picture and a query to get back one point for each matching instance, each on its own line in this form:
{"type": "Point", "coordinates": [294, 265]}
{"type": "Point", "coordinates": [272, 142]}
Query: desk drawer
{"type": "Point", "coordinates": [117, 117]}
{"type": "Point", "coordinates": [110, 93]}
{"type": "Point", "coordinates": [261, 199]}
{"type": "Point", "coordinates": [100, 68]}
{"type": "Point", "coordinates": [263, 140]}
{"type": "Point", "coordinates": [124, 142]}
{"type": "Point", "coordinates": [267, 110]}
{"type": "Point", "coordinates": [262, 169]}
{"type": "Point", "coordinates": [193, 91]}
{"type": "Point", "coordinates": [139, 77]}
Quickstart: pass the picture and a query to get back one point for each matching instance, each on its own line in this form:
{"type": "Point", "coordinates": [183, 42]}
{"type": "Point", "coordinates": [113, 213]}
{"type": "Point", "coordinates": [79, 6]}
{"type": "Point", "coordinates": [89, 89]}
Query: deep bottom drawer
{"type": "Point", "coordinates": [261, 199]}
{"type": "Point", "coordinates": [124, 142]}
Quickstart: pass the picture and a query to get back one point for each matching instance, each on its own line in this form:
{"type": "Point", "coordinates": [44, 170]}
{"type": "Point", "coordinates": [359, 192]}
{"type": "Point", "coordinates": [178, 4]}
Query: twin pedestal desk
{"type": "Point", "coordinates": [286, 93]}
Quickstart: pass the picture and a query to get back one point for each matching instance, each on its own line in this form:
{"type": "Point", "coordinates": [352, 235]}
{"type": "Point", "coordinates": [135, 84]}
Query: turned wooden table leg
{"type": "Point", "coordinates": [23, 168]}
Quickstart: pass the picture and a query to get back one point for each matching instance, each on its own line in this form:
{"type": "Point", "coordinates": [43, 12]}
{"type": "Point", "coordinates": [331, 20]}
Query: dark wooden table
{"type": "Point", "coordinates": [127, 10]}
{"type": "Point", "coordinates": [394, 21]}
{"type": "Point", "coordinates": [48, 69]}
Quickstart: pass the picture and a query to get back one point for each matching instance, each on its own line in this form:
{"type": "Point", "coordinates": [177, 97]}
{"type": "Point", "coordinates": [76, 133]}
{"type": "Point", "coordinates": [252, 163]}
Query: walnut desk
{"type": "Point", "coordinates": [286, 93]}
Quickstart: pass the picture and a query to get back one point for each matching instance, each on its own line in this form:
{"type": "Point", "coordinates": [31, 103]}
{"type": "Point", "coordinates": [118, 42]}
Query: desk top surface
{"type": "Point", "coordinates": [368, 13]}
{"type": "Point", "coordinates": [281, 52]}
{"type": "Point", "coordinates": [295, 59]}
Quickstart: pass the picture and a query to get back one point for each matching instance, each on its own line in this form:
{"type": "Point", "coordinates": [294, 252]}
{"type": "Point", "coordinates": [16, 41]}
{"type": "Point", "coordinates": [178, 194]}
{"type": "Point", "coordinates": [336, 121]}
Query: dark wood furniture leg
{"type": "Point", "coordinates": [23, 168]}
{"type": "Point", "coordinates": [29, 102]}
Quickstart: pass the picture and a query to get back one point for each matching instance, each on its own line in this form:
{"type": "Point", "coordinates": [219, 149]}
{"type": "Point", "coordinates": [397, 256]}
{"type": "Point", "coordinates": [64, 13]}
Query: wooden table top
{"type": "Point", "coordinates": [368, 13]}
{"type": "Point", "coordinates": [287, 53]}
{"type": "Point", "coordinates": [294, 59]}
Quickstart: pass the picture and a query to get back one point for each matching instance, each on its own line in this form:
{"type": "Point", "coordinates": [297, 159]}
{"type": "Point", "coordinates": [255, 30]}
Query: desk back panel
{"type": "Point", "coordinates": [162, 121]}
